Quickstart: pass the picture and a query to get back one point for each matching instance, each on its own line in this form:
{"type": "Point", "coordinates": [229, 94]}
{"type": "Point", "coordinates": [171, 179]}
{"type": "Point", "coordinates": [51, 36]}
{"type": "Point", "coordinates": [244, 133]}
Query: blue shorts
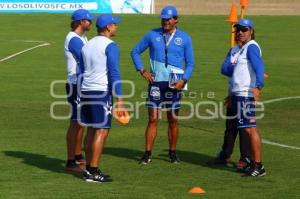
{"type": "Point", "coordinates": [73, 99]}
{"type": "Point", "coordinates": [161, 96]}
{"type": "Point", "coordinates": [96, 109]}
{"type": "Point", "coordinates": [244, 109]}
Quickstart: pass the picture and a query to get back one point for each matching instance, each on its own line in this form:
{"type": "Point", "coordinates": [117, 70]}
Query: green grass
{"type": "Point", "coordinates": [32, 144]}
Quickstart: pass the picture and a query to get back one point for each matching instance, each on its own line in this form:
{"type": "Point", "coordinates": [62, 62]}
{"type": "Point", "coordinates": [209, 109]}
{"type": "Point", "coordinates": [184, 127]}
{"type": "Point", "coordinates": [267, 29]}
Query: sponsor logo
{"type": "Point", "coordinates": [77, 100]}
{"type": "Point", "coordinates": [107, 108]}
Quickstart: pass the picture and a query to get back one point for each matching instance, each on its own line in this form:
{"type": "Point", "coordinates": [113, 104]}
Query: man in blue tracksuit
{"type": "Point", "coordinates": [169, 48]}
{"type": "Point", "coordinates": [245, 68]}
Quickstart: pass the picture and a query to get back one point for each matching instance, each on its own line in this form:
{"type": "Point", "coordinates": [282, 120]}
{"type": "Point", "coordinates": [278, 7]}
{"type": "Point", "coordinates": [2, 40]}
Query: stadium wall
{"type": "Point", "coordinates": [222, 7]}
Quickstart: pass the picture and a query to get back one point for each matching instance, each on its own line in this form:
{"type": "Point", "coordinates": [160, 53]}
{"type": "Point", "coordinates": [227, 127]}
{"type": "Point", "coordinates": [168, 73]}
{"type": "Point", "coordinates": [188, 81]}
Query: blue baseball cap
{"type": "Point", "coordinates": [81, 14]}
{"type": "Point", "coordinates": [245, 22]}
{"type": "Point", "coordinates": [168, 12]}
{"type": "Point", "coordinates": [106, 19]}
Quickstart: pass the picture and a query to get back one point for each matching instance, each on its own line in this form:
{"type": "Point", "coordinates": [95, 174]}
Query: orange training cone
{"type": "Point", "coordinates": [244, 3]}
{"type": "Point", "coordinates": [233, 18]}
{"type": "Point", "coordinates": [122, 119]}
{"type": "Point", "coordinates": [197, 190]}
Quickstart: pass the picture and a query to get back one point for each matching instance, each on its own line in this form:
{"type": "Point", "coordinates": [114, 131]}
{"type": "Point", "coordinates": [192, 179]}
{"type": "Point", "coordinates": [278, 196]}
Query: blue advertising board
{"type": "Point", "coordinates": [66, 6]}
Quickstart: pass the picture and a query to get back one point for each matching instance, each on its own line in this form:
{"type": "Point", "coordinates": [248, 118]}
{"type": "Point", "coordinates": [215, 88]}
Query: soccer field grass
{"type": "Point", "coordinates": [32, 143]}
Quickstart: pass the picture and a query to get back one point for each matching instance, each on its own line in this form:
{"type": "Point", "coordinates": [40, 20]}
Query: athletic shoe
{"type": "Point", "coordinates": [73, 167]}
{"type": "Point", "coordinates": [256, 171]}
{"type": "Point", "coordinates": [86, 173]}
{"type": "Point", "coordinates": [98, 177]}
{"type": "Point", "coordinates": [219, 161]}
{"type": "Point", "coordinates": [145, 159]}
{"type": "Point", "coordinates": [174, 158]}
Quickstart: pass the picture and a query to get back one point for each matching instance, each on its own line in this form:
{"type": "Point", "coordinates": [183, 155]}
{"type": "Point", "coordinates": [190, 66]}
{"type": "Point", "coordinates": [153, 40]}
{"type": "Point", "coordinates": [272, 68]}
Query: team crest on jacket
{"type": "Point", "coordinates": [154, 91]}
{"type": "Point", "coordinates": [157, 39]}
{"type": "Point", "coordinates": [178, 41]}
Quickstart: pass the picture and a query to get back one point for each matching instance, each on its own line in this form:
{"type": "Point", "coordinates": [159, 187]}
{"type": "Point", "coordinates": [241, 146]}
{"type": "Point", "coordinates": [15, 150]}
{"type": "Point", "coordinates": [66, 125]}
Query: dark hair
{"type": "Point", "coordinates": [74, 25]}
{"type": "Point", "coordinates": [99, 30]}
{"type": "Point", "coordinates": [253, 34]}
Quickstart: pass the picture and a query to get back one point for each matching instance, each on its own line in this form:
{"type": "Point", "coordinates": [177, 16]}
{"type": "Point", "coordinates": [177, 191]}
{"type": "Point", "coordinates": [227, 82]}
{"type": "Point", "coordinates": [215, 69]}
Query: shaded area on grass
{"type": "Point", "coordinates": [132, 154]}
{"type": "Point", "coordinates": [189, 157]}
{"type": "Point", "coordinates": [41, 161]}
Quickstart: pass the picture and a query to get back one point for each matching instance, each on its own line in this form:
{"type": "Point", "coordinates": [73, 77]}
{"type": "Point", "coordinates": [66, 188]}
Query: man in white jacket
{"type": "Point", "coordinates": [81, 22]}
{"type": "Point", "coordinates": [245, 67]}
{"type": "Point", "coordinates": [101, 81]}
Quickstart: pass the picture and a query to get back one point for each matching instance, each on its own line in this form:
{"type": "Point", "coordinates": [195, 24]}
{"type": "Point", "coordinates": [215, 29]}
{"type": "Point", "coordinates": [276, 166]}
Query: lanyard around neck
{"type": "Point", "coordinates": [166, 46]}
{"type": "Point", "coordinates": [169, 40]}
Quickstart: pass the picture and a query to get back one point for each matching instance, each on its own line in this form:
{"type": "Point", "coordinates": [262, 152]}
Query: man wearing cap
{"type": "Point", "coordinates": [101, 80]}
{"type": "Point", "coordinates": [169, 48]}
{"type": "Point", "coordinates": [245, 68]}
{"type": "Point", "coordinates": [81, 22]}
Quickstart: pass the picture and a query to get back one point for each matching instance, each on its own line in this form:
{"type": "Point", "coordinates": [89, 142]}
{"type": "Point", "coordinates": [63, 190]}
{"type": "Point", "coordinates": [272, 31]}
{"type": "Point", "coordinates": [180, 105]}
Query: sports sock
{"type": "Point", "coordinates": [172, 151]}
{"type": "Point", "coordinates": [148, 153]}
{"type": "Point", "coordinates": [70, 162]}
{"type": "Point", "coordinates": [93, 169]}
{"type": "Point", "coordinates": [78, 157]}
{"type": "Point", "coordinates": [258, 164]}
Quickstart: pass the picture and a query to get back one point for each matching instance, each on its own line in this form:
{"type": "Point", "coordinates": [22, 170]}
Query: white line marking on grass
{"type": "Point", "coordinates": [280, 145]}
{"type": "Point", "coordinates": [280, 99]}
{"type": "Point", "coordinates": [26, 50]}
{"type": "Point", "coordinates": [274, 143]}
{"type": "Point", "coordinates": [31, 41]}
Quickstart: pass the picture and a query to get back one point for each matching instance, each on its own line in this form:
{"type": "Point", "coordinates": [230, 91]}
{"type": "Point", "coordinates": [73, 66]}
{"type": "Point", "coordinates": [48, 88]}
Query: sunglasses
{"type": "Point", "coordinates": [243, 29]}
